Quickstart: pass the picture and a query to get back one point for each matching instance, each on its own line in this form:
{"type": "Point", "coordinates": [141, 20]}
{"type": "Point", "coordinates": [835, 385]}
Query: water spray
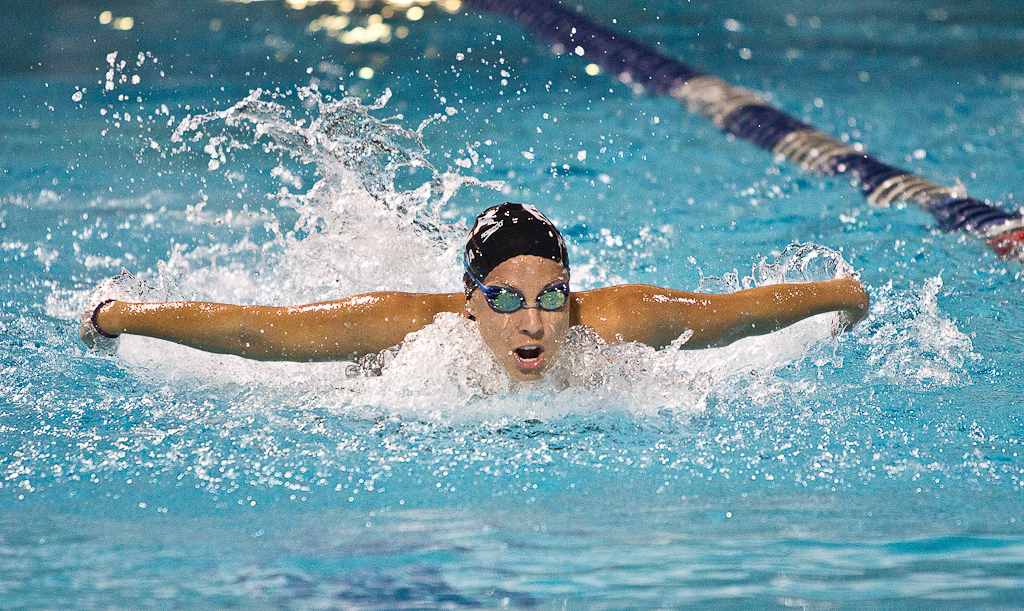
{"type": "Point", "coordinates": [741, 112]}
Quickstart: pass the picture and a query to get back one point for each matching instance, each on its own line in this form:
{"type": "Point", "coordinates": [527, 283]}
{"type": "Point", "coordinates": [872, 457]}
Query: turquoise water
{"type": "Point", "coordinates": [882, 470]}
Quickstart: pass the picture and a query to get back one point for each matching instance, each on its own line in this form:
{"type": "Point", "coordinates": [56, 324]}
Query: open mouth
{"type": "Point", "coordinates": [528, 356]}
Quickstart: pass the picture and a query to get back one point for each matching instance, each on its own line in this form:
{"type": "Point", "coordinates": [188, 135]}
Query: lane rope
{"type": "Point", "coordinates": [743, 113]}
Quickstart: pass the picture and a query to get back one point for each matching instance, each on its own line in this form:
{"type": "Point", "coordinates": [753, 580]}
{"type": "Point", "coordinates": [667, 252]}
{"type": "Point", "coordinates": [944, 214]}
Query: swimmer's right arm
{"type": "Point", "coordinates": [332, 330]}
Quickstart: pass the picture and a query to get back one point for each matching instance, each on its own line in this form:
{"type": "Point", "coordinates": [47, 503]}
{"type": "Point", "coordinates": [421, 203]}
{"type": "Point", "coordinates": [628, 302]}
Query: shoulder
{"type": "Point", "coordinates": [632, 312]}
{"type": "Point", "coordinates": [608, 297]}
{"type": "Point", "coordinates": [631, 297]}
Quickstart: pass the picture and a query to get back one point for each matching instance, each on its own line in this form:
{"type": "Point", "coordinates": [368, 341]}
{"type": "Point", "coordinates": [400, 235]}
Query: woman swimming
{"type": "Point", "coordinates": [516, 289]}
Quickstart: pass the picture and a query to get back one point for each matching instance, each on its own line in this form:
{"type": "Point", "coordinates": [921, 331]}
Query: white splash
{"type": "Point", "coordinates": [357, 232]}
{"type": "Point", "coordinates": [917, 344]}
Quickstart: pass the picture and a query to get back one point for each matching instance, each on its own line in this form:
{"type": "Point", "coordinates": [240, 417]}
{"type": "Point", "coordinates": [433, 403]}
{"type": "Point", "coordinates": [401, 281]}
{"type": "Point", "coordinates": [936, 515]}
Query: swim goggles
{"type": "Point", "coordinates": [506, 301]}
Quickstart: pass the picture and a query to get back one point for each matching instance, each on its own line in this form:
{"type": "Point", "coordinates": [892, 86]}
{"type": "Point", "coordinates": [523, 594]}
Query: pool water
{"type": "Point", "coordinates": [210, 151]}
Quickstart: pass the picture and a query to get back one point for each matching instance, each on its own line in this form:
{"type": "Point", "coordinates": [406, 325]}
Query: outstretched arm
{"type": "Point", "coordinates": [332, 330]}
{"type": "Point", "coordinates": [656, 316]}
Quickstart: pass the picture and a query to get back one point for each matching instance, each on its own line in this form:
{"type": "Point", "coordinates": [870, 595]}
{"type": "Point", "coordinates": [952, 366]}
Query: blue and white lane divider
{"type": "Point", "coordinates": [741, 112]}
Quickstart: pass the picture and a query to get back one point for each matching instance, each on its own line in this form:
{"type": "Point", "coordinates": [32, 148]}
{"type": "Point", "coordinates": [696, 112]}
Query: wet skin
{"type": "Point", "coordinates": [527, 341]}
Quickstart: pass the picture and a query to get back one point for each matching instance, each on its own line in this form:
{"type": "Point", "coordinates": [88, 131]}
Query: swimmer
{"type": "Point", "coordinates": [516, 290]}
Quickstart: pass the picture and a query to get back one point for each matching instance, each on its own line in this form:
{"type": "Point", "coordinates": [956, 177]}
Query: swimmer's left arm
{"type": "Point", "coordinates": [656, 316]}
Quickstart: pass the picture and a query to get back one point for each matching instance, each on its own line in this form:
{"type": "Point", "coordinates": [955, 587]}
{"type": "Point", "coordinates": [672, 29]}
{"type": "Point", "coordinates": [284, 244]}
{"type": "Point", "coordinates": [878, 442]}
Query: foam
{"type": "Point", "coordinates": [357, 232]}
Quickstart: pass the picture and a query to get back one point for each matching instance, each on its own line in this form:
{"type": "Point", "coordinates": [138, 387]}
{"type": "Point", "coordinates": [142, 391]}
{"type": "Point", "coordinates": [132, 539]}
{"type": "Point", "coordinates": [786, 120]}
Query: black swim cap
{"type": "Point", "coordinates": [509, 230]}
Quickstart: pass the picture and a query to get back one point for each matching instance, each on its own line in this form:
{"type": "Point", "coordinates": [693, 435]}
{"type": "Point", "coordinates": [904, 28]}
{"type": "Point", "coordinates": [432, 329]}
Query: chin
{"type": "Point", "coordinates": [527, 376]}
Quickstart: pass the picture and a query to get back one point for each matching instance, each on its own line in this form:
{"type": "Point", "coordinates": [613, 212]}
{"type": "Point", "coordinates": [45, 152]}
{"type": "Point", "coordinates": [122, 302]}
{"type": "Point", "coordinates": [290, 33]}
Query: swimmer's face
{"type": "Point", "coordinates": [524, 342]}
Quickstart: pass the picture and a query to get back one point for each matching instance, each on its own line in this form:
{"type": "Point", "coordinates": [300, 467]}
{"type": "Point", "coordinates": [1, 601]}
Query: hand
{"type": "Point", "coordinates": [845, 319]}
{"type": "Point", "coordinates": [91, 336]}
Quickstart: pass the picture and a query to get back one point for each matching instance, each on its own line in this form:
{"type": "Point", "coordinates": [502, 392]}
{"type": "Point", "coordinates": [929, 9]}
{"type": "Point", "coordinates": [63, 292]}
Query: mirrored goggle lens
{"type": "Point", "coordinates": [553, 298]}
{"type": "Point", "coordinates": [506, 301]}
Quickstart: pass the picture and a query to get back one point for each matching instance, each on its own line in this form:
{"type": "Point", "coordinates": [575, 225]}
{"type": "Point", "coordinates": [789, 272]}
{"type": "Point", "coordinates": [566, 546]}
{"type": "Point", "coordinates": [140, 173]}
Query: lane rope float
{"type": "Point", "coordinates": [741, 112]}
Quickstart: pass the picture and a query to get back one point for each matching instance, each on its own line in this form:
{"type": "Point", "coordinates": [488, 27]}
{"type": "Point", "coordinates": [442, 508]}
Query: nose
{"type": "Point", "coordinates": [530, 322]}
